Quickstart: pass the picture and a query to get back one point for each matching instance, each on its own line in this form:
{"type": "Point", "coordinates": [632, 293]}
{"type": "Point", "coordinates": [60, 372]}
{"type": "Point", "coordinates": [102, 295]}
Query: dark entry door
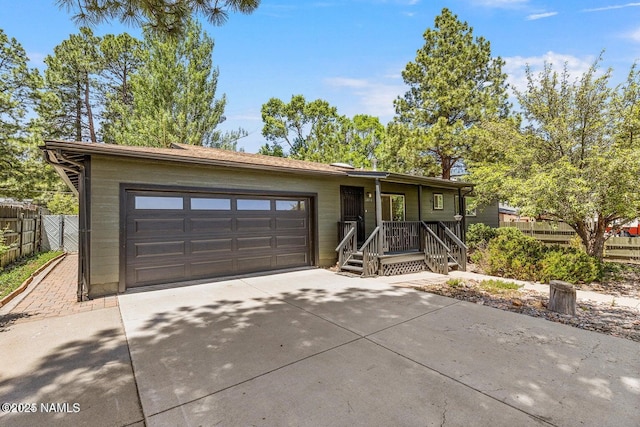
{"type": "Point", "coordinates": [352, 203]}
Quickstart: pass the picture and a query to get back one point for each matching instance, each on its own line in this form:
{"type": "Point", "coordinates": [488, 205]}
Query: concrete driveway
{"type": "Point", "coordinates": [312, 348]}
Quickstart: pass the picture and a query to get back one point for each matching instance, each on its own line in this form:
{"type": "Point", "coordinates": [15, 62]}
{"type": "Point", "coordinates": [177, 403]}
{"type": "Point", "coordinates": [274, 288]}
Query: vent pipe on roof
{"type": "Point", "coordinates": [374, 161]}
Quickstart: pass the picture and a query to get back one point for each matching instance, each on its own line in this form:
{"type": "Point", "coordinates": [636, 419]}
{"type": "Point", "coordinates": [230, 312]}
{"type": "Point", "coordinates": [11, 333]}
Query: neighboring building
{"type": "Point", "coordinates": [165, 215]}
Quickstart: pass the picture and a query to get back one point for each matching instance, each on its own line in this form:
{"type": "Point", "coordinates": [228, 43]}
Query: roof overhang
{"type": "Point", "coordinates": [400, 178]}
{"type": "Point", "coordinates": [68, 157]}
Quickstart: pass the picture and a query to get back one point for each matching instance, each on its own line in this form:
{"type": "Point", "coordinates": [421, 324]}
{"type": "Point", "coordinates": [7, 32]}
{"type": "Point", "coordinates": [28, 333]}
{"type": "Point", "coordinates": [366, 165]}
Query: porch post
{"type": "Point", "coordinates": [420, 202]}
{"type": "Point", "coordinates": [379, 216]}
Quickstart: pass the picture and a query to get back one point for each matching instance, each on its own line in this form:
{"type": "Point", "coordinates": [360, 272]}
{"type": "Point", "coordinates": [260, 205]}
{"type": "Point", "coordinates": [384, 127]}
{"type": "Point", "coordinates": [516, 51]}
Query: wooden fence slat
{"type": "Point", "coordinates": [618, 248]}
{"type": "Point", "coordinates": [23, 237]}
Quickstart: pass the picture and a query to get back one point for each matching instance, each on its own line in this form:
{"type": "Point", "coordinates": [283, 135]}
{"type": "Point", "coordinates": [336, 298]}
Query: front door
{"type": "Point", "coordinates": [352, 204]}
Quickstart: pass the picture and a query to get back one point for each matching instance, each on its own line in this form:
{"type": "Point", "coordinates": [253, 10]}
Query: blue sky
{"type": "Point", "coordinates": [351, 52]}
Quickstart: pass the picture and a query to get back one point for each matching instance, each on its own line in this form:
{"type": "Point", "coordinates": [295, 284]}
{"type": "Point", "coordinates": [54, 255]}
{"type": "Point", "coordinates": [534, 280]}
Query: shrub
{"type": "Point", "coordinates": [570, 265]}
{"type": "Point", "coordinates": [479, 235]}
{"type": "Point", "coordinates": [511, 254]}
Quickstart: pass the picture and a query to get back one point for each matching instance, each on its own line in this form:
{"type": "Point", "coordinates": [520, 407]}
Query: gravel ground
{"type": "Point", "coordinates": [609, 319]}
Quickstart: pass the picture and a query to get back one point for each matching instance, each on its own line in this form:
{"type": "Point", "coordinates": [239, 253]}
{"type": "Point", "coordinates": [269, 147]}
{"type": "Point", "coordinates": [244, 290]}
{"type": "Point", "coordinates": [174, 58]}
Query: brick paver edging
{"type": "Point", "coordinates": [27, 282]}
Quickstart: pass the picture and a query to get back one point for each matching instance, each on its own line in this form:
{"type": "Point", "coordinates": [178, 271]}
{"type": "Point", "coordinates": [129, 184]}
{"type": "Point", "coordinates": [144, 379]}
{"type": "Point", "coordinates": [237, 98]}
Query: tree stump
{"type": "Point", "coordinates": [562, 297]}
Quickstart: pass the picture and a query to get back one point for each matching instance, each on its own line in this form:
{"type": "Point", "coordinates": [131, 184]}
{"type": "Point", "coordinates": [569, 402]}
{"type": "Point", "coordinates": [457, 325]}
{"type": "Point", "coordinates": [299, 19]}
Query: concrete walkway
{"type": "Point", "coordinates": [311, 348]}
{"type": "Point", "coordinates": [67, 362]}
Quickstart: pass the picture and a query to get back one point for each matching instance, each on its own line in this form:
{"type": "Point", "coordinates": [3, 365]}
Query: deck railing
{"type": "Point", "coordinates": [348, 242]}
{"type": "Point", "coordinates": [401, 236]}
{"type": "Point", "coordinates": [370, 254]}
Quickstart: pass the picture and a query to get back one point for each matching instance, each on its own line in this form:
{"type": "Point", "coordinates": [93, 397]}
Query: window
{"type": "Point", "coordinates": [254, 205]}
{"type": "Point", "coordinates": [290, 205]}
{"type": "Point", "coordinates": [210, 204]}
{"type": "Point", "coordinates": [470, 205]}
{"type": "Point", "coordinates": [159, 202]}
{"type": "Point", "coordinates": [393, 208]}
{"type": "Point", "coordinates": [438, 201]}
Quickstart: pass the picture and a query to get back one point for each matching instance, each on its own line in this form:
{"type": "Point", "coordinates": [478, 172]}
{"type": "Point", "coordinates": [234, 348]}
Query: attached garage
{"type": "Point", "coordinates": [173, 236]}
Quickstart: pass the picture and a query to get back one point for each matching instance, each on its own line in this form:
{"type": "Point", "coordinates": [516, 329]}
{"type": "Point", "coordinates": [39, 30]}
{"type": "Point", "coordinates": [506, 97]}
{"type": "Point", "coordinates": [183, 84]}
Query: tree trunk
{"type": "Point", "coordinates": [592, 239]}
{"type": "Point", "coordinates": [92, 130]}
{"type": "Point", "coordinates": [78, 118]}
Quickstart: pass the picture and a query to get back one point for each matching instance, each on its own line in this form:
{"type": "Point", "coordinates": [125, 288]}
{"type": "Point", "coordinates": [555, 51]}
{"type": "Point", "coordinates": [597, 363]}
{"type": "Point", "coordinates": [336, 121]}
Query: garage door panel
{"type": "Point", "coordinates": [213, 235]}
{"type": "Point", "coordinates": [291, 224]}
{"type": "Point", "coordinates": [211, 246]}
{"type": "Point", "coordinates": [291, 242]}
{"type": "Point", "coordinates": [155, 249]}
{"type": "Point", "coordinates": [212, 268]}
{"type": "Point", "coordinates": [153, 226]}
{"type": "Point", "coordinates": [160, 274]}
{"type": "Point", "coordinates": [254, 243]}
{"type": "Point", "coordinates": [291, 259]}
{"type": "Point", "coordinates": [211, 225]}
{"type": "Point", "coordinates": [256, 263]}
{"type": "Point", "coordinates": [253, 224]}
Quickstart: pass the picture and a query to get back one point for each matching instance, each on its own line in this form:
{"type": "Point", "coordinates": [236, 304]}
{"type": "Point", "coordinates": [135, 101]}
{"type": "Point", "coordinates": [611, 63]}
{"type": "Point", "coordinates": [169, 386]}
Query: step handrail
{"type": "Point", "coordinates": [370, 254]}
{"type": "Point", "coordinates": [436, 258]}
{"type": "Point", "coordinates": [459, 254]}
{"type": "Point", "coordinates": [346, 247]}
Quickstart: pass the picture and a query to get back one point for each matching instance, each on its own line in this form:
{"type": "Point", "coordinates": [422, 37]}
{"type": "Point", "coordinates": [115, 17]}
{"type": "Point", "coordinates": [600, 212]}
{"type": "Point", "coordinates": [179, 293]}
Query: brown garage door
{"type": "Point", "coordinates": [173, 237]}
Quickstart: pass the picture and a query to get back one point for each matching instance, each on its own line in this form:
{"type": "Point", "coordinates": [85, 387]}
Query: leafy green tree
{"type": "Point", "coordinates": [315, 131]}
{"type": "Point", "coordinates": [454, 84]}
{"type": "Point", "coordinates": [296, 125]}
{"type": "Point", "coordinates": [162, 16]}
{"type": "Point", "coordinates": [577, 159]}
{"type": "Point", "coordinates": [63, 204]}
{"type": "Point", "coordinates": [174, 94]}
{"type": "Point", "coordinates": [71, 79]}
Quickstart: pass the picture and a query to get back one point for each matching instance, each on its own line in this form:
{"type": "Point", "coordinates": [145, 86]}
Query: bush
{"type": "Point", "coordinates": [570, 265]}
{"type": "Point", "coordinates": [511, 254]}
{"type": "Point", "coordinates": [479, 235]}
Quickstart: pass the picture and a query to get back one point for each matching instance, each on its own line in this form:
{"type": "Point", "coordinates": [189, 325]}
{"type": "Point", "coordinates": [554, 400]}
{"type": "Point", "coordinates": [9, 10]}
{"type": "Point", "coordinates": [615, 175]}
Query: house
{"type": "Point", "coordinates": [166, 215]}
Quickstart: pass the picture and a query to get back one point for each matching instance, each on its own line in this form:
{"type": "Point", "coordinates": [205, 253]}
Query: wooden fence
{"type": "Point", "coordinates": [21, 230]}
{"type": "Point", "coordinates": [616, 248]}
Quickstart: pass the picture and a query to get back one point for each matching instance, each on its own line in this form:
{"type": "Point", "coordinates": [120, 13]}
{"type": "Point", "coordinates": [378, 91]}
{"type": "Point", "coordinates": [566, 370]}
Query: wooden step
{"type": "Point", "coordinates": [352, 268]}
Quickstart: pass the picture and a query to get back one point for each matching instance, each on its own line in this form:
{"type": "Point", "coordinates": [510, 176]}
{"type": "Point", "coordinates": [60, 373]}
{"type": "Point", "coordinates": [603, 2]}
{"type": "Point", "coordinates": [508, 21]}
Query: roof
{"type": "Point", "coordinates": [66, 157]}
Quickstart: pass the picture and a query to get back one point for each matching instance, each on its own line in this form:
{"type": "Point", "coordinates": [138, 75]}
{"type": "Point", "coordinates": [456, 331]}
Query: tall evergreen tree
{"type": "Point", "coordinates": [454, 83]}
{"type": "Point", "coordinates": [169, 17]}
{"type": "Point", "coordinates": [122, 56]}
{"type": "Point", "coordinates": [71, 79]}
{"type": "Point", "coordinates": [174, 93]}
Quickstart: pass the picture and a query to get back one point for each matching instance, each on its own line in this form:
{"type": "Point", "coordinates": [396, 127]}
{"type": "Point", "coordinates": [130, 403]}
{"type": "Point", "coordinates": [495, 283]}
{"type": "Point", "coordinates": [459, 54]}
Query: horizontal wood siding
{"type": "Point", "coordinates": [448, 211]}
{"type": "Point", "coordinates": [485, 214]}
{"type": "Point", "coordinates": [108, 173]}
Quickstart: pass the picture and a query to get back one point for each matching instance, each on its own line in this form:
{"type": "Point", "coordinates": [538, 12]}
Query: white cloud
{"type": "Point", "coordinates": [503, 4]}
{"type": "Point", "coordinates": [372, 97]}
{"type": "Point", "coordinates": [536, 16]}
{"type": "Point", "coordinates": [616, 6]}
{"type": "Point", "coordinates": [634, 35]}
{"type": "Point", "coordinates": [515, 66]}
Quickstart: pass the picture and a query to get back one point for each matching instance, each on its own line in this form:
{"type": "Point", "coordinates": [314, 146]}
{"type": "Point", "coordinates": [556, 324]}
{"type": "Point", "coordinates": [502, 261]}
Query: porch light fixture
{"type": "Point", "coordinates": [369, 195]}
{"type": "Point", "coordinates": [457, 217]}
